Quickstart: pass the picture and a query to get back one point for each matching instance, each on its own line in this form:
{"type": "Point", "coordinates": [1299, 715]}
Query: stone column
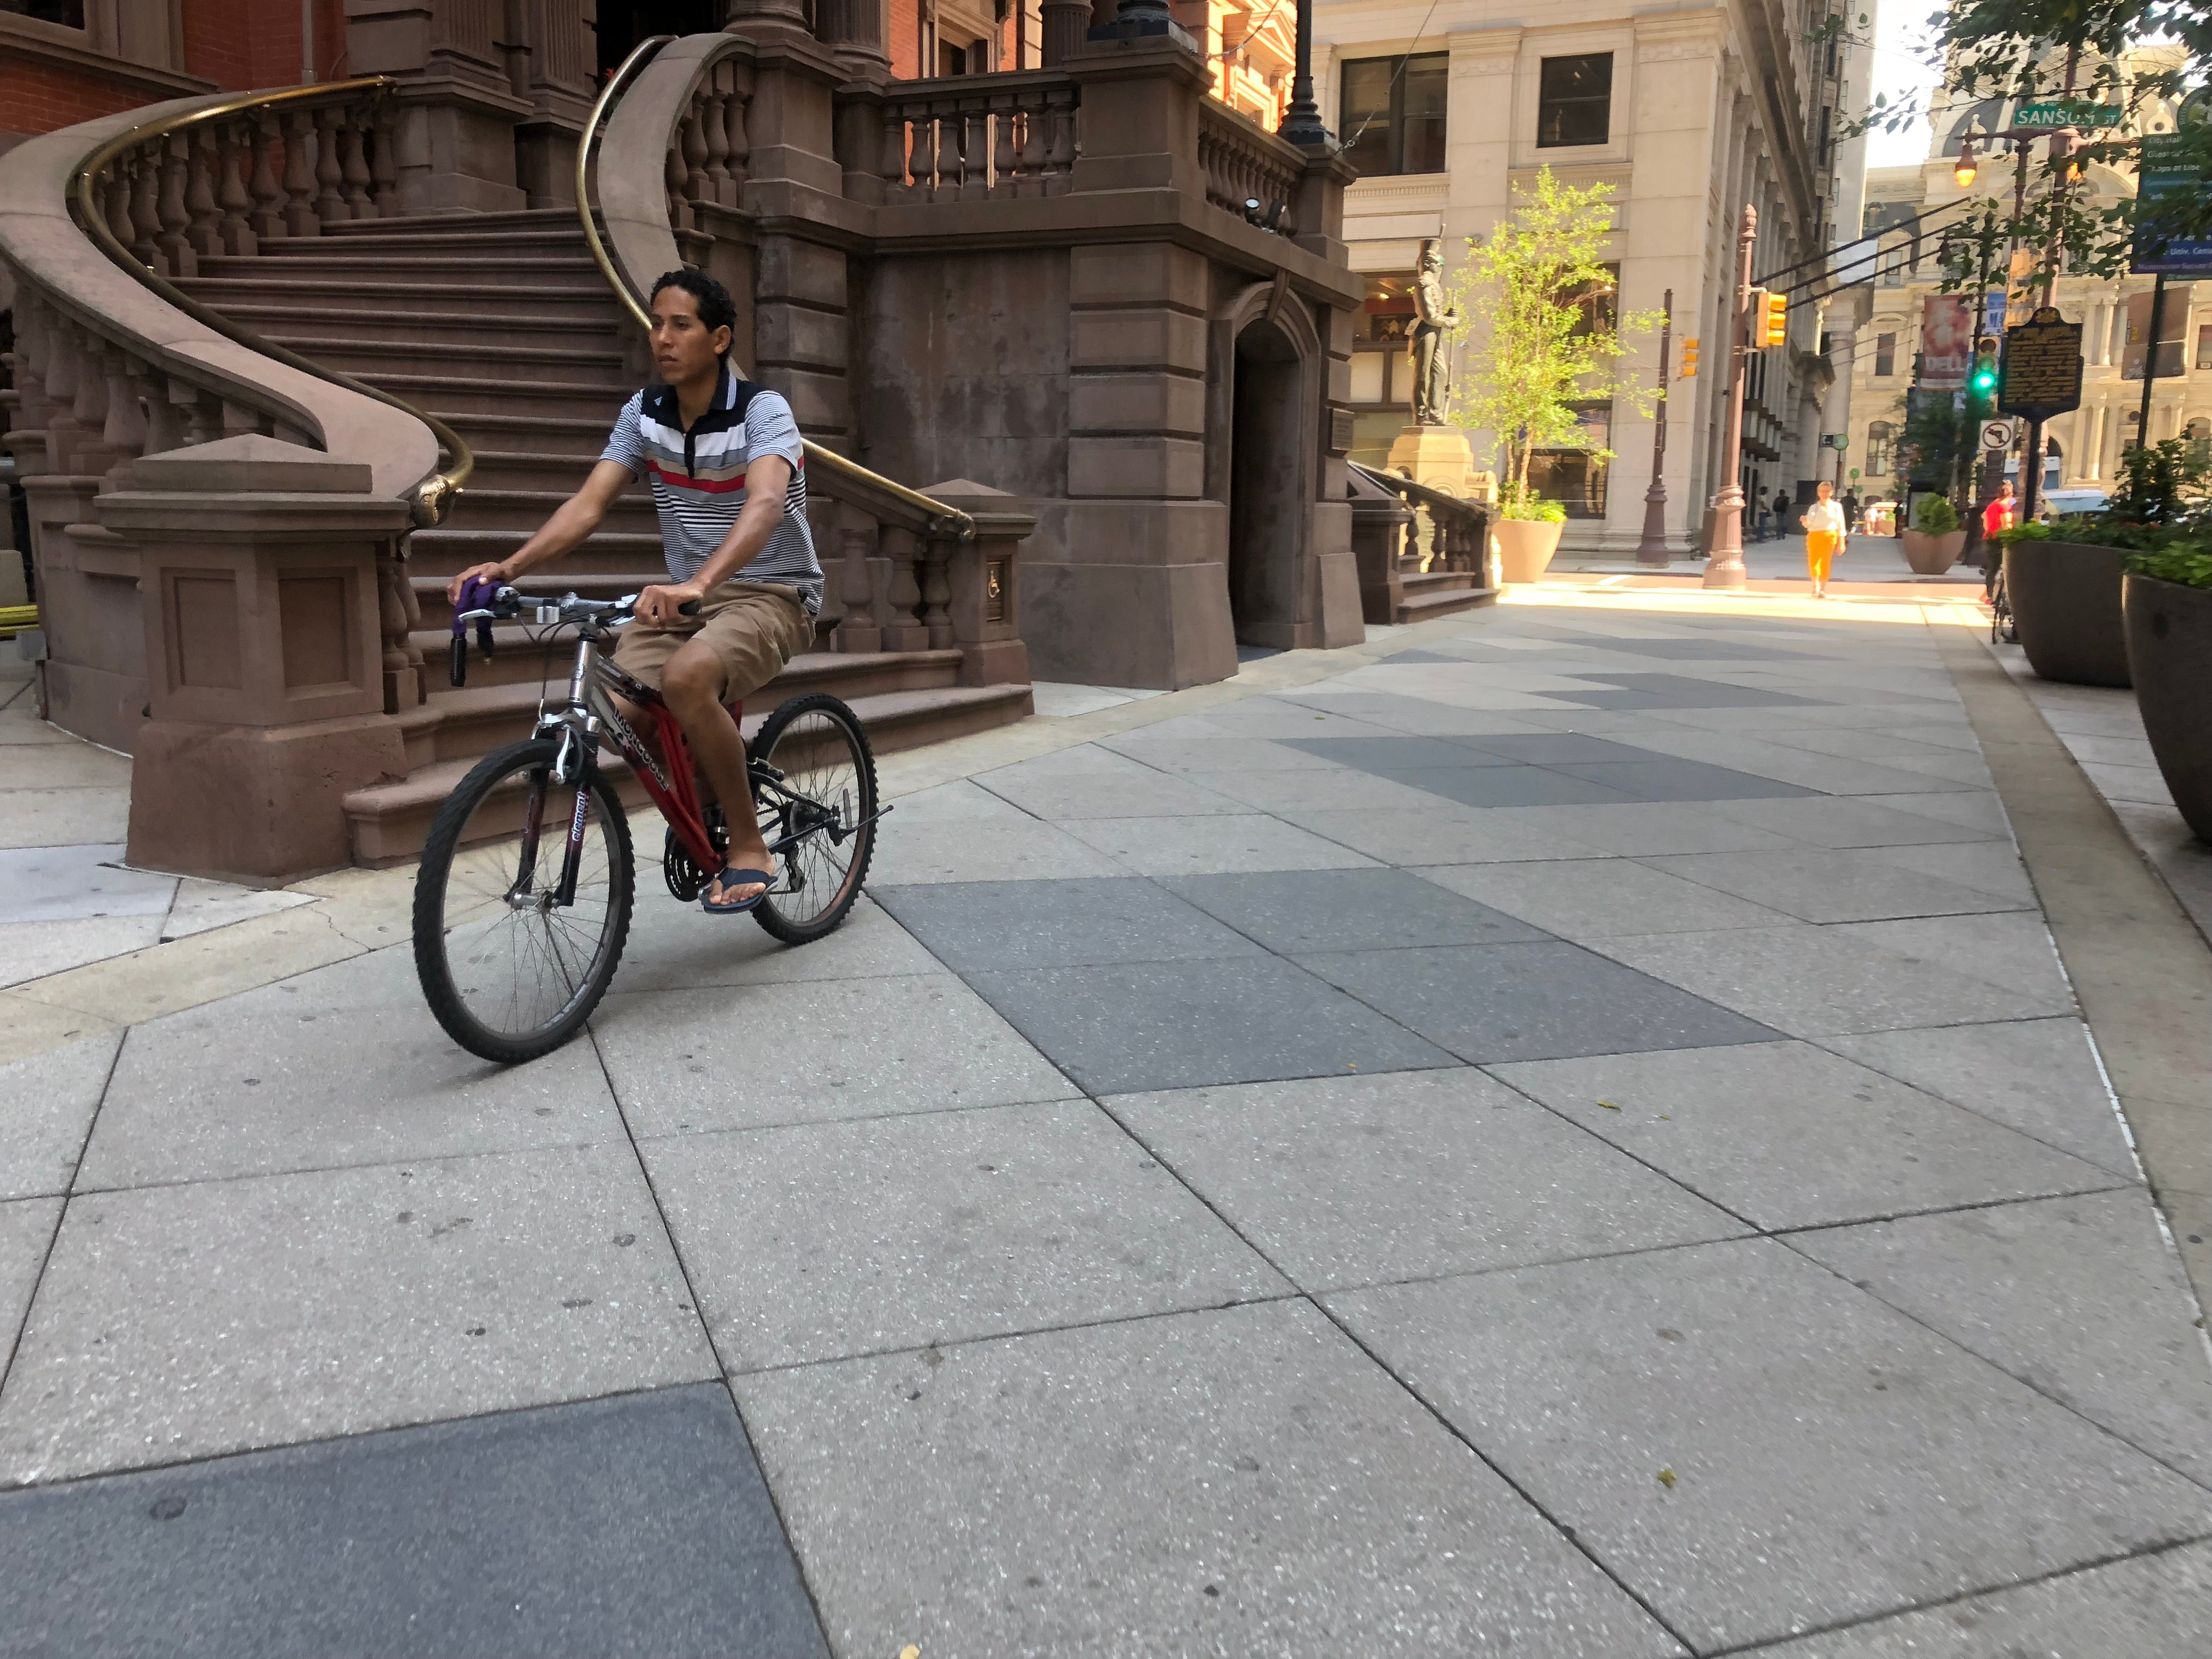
{"type": "Point", "coordinates": [258, 592]}
{"type": "Point", "coordinates": [458, 109]}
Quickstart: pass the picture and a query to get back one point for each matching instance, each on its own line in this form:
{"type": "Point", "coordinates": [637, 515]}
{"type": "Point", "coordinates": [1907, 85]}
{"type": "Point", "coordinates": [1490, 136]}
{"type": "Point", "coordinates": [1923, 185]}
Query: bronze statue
{"type": "Point", "coordinates": [1424, 350]}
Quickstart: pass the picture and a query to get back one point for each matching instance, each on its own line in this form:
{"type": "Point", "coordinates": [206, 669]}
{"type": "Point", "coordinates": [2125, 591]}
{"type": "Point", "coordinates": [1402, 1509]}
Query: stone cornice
{"type": "Point", "coordinates": [29, 39]}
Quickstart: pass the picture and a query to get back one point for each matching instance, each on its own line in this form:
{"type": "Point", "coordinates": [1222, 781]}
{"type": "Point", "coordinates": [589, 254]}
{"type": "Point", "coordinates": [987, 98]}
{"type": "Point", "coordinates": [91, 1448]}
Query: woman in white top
{"type": "Point", "coordinates": [1824, 534]}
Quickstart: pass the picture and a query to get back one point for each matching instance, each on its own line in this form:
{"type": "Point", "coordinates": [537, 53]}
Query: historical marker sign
{"type": "Point", "coordinates": [2042, 367]}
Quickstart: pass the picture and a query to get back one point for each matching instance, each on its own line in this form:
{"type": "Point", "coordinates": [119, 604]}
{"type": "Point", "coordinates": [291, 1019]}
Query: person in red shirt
{"type": "Point", "coordinates": [2003, 514]}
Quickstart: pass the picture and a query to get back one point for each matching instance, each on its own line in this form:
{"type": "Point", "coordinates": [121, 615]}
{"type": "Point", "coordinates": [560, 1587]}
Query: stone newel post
{"type": "Point", "coordinates": [264, 657]}
{"type": "Point", "coordinates": [983, 583]}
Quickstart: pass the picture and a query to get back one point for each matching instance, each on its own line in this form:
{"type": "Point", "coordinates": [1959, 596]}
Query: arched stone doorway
{"type": "Point", "coordinates": [623, 23]}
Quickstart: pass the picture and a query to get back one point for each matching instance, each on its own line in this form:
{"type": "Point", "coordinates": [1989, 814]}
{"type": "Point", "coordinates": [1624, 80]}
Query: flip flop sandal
{"type": "Point", "coordinates": [733, 878]}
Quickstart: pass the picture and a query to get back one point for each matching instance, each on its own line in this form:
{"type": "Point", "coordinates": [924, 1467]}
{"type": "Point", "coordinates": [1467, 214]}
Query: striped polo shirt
{"type": "Point", "coordinates": [699, 478]}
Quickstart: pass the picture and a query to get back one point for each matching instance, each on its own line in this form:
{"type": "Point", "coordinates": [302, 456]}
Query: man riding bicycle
{"type": "Point", "coordinates": [726, 463]}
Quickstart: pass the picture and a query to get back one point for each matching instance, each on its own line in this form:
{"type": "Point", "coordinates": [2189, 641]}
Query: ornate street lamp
{"type": "Point", "coordinates": [1302, 123]}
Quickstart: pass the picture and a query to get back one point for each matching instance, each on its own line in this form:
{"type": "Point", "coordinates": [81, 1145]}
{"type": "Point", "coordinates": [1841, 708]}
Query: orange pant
{"type": "Point", "coordinates": [1820, 549]}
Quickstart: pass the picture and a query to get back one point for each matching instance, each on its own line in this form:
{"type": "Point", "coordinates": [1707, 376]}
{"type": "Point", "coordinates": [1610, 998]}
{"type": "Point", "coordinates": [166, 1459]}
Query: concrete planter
{"type": "Point", "coordinates": [2169, 634]}
{"type": "Point", "coordinates": [2066, 600]}
{"type": "Point", "coordinates": [1525, 547]}
{"type": "Point", "coordinates": [1931, 555]}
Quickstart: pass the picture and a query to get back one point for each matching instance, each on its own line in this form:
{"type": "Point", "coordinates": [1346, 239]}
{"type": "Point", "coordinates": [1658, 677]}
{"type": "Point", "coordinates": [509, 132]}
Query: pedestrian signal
{"type": "Point", "coordinates": [1689, 358]}
{"type": "Point", "coordinates": [1770, 318]}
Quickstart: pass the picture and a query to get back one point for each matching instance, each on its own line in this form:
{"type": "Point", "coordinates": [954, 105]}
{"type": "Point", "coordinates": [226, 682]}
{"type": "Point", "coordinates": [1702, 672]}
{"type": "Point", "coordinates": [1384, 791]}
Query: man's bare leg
{"type": "Point", "coordinates": [694, 687]}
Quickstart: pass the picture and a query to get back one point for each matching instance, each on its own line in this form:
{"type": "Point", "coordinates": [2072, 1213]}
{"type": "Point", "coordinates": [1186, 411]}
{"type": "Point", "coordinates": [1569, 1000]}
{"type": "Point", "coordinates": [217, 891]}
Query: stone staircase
{"type": "Point", "coordinates": [1423, 594]}
{"type": "Point", "coordinates": [501, 325]}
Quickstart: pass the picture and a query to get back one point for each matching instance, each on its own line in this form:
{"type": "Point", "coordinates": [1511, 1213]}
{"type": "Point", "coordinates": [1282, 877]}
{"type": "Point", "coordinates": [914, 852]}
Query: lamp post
{"type": "Point", "coordinates": [1652, 548]}
{"type": "Point", "coordinates": [1725, 519]}
{"type": "Point", "coordinates": [1302, 123]}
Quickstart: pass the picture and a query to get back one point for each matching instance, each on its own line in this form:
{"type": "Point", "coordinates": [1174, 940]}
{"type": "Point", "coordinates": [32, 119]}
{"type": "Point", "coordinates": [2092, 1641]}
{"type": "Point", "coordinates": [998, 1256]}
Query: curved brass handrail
{"type": "Point", "coordinates": [434, 497]}
{"type": "Point", "coordinates": [941, 518]}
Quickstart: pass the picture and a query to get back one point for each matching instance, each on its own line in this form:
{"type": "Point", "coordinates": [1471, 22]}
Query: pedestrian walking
{"type": "Point", "coordinates": [1851, 519]}
{"type": "Point", "coordinates": [1759, 510]}
{"type": "Point", "coordinates": [1824, 534]}
{"type": "Point", "coordinates": [1783, 524]}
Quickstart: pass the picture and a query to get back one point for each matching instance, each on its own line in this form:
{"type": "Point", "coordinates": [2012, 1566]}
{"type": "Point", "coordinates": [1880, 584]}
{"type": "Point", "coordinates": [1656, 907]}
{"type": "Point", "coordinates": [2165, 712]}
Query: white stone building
{"type": "Point", "coordinates": [1690, 112]}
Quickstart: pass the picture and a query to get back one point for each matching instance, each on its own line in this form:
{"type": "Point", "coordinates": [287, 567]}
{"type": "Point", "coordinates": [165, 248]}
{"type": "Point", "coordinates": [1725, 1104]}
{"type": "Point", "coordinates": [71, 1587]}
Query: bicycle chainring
{"type": "Point", "coordinates": [682, 872]}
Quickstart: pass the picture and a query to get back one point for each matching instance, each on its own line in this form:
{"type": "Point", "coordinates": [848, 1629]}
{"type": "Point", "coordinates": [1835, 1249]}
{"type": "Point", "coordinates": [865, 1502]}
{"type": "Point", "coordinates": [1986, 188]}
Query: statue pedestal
{"type": "Point", "coordinates": [1441, 458]}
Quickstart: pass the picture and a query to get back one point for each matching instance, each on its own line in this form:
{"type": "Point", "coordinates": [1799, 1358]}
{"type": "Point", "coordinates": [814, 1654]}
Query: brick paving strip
{"type": "Point", "coordinates": [1557, 1132]}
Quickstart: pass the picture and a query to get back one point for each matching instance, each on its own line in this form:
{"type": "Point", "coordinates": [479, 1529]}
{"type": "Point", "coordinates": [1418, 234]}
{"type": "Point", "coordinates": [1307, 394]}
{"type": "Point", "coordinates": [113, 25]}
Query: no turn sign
{"type": "Point", "coordinates": [1999, 434]}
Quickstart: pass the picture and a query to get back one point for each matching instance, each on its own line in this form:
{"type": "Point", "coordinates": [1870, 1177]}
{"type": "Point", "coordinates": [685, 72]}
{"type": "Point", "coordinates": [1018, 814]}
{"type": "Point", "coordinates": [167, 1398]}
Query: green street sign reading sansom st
{"type": "Point", "coordinates": [2066, 113]}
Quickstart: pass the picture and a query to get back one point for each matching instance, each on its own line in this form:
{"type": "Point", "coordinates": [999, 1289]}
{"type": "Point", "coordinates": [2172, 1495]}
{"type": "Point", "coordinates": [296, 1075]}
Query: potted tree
{"type": "Point", "coordinates": [1935, 539]}
{"type": "Point", "coordinates": [1546, 335]}
{"type": "Point", "coordinates": [2166, 604]}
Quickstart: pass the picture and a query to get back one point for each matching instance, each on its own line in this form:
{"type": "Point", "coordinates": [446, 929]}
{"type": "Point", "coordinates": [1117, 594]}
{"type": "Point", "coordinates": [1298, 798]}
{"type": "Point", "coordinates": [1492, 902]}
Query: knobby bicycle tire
{"type": "Point", "coordinates": [433, 955]}
{"type": "Point", "coordinates": [782, 921]}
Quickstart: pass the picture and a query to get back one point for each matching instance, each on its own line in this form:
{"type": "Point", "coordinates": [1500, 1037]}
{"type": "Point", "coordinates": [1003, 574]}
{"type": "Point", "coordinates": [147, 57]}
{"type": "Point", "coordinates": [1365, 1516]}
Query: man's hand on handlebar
{"type": "Point", "coordinates": [658, 606]}
{"type": "Point", "coordinates": [490, 573]}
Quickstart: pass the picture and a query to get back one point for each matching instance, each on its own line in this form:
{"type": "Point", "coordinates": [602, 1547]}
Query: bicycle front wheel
{"type": "Point", "coordinates": [814, 788]}
{"type": "Point", "coordinates": [511, 966]}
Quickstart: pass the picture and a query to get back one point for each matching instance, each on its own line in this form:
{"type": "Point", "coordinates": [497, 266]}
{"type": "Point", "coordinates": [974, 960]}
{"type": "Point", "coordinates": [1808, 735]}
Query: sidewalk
{"type": "Point", "coordinates": [1559, 1131]}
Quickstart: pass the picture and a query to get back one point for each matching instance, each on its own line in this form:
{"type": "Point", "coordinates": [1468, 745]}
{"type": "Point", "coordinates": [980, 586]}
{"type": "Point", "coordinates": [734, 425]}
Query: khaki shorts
{"type": "Point", "coordinates": [754, 628]}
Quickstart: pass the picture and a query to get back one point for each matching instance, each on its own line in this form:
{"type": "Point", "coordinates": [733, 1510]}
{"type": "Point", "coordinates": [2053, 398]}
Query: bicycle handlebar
{"type": "Point", "coordinates": [499, 603]}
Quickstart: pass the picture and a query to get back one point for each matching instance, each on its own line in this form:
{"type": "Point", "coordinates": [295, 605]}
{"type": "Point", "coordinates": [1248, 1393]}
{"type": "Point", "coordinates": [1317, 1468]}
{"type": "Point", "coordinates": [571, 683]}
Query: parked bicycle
{"type": "Point", "coordinates": [2002, 626]}
{"type": "Point", "coordinates": [522, 905]}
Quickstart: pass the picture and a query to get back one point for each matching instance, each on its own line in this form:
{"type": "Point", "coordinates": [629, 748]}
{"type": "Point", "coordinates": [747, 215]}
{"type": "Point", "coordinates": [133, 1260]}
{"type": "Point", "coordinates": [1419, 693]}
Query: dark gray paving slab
{"type": "Point", "coordinates": [184, 1322]}
{"type": "Point", "coordinates": [47, 1104]}
{"type": "Point", "coordinates": [1535, 1002]}
{"type": "Point", "coordinates": [639, 1525]}
{"type": "Point", "coordinates": [1356, 1180]}
{"type": "Point", "coordinates": [1244, 1481]}
{"type": "Point", "coordinates": [1559, 748]}
{"type": "Point", "coordinates": [1418, 716]}
{"type": "Point", "coordinates": [1504, 785]}
{"type": "Point", "coordinates": [1397, 754]}
{"type": "Point", "coordinates": [1122, 1027]}
{"type": "Point", "coordinates": [828, 1240]}
{"type": "Point", "coordinates": [1788, 1135]}
{"type": "Point", "coordinates": [1292, 912]}
{"type": "Point", "coordinates": [1669, 779]}
{"type": "Point", "coordinates": [980, 926]}
{"type": "Point", "coordinates": [2080, 1297]}
{"type": "Point", "coordinates": [1829, 1459]}
{"type": "Point", "coordinates": [2037, 1076]}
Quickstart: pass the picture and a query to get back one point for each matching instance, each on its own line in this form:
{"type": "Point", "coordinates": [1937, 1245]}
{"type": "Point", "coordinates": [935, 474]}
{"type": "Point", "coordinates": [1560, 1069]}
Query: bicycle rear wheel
{"type": "Point", "coordinates": [823, 802]}
{"type": "Point", "coordinates": [509, 971]}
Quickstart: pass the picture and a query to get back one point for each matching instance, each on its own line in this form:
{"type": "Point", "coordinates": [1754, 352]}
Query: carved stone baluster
{"type": "Point", "coordinates": [165, 428]}
{"type": "Point", "coordinates": [330, 172]}
{"type": "Point", "coordinates": [146, 209]}
{"type": "Point", "coordinates": [936, 594]}
{"type": "Point", "coordinates": [678, 180]}
{"type": "Point", "coordinates": [203, 413]}
{"type": "Point", "coordinates": [124, 429]}
{"type": "Point", "coordinates": [895, 184]}
{"type": "Point", "coordinates": [174, 161]}
{"type": "Point", "coordinates": [976, 150]}
{"type": "Point", "coordinates": [115, 200]}
{"type": "Point", "coordinates": [204, 166]}
{"type": "Point", "coordinates": [733, 128]}
{"type": "Point", "coordinates": [57, 370]}
{"type": "Point", "coordinates": [1036, 139]}
{"type": "Point", "coordinates": [714, 130]}
{"type": "Point", "coordinates": [924, 155]}
{"type": "Point", "coordinates": [903, 631]}
{"type": "Point", "coordinates": [384, 159]}
{"type": "Point", "coordinates": [1061, 162]}
{"type": "Point", "coordinates": [692, 133]}
{"type": "Point", "coordinates": [862, 630]}
{"type": "Point", "coordinates": [232, 229]}
{"type": "Point", "coordinates": [353, 164]}
{"type": "Point", "coordinates": [1003, 151]}
{"type": "Point", "coordinates": [299, 217]}
{"type": "Point", "coordinates": [267, 142]}
{"type": "Point", "coordinates": [398, 614]}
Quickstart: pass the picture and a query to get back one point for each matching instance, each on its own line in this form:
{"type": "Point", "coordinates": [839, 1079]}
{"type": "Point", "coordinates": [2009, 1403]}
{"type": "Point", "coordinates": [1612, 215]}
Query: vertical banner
{"type": "Point", "coordinates": [1947, 339]}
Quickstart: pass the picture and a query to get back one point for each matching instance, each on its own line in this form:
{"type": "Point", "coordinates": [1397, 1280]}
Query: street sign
{"type": "Point", "coordinates": [2042, 367]}
{"type": "Point", "coordinates": [2165, 172]}
{"type": "Point", "coordinates": [1999, 433]}
{"type": "Point", "coordinates": [2066, 113]}
{"type": "Point", "coordinates": [1835, 440]}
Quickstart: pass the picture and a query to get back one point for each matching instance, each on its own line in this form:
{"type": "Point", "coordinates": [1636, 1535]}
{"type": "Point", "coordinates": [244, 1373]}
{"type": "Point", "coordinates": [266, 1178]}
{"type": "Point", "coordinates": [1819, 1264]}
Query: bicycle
{"type": "Point", "coordinates": [515, 943]}
{"type": "Point", "coordinates": [2002, 625]}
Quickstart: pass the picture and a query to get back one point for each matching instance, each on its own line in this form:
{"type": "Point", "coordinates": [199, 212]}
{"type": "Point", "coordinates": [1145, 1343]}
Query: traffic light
{"type": "Point", "coordinates": [1770, 318]}
{"type": "Point", "coordinates": [1982, 383]}
{"type": "Point", "coordinates": [1690, 358]}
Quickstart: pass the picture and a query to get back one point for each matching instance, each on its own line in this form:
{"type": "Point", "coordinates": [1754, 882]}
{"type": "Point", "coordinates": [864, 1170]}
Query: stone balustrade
{"type": "Point", "coordinates": [979, 137]}
{"type": "Point", "coordinates": [1244, 164]}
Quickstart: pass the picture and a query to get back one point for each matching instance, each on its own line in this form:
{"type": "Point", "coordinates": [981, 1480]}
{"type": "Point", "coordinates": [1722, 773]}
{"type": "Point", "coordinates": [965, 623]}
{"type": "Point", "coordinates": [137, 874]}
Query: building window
{"type": "Point", "coordinates": [1574, 100]}
{"type": "Point", "coordinates": [1379, 329]}
{"type": "Point", "coordinates": [1880, 436]}
{"type": "Point", "coordinates": [1576, 477]}
{"type": "Point", "coordinates": [2204, 346]}
{"type": "Point", "coordinates": [69, 14]}
{"type": "Point", "coordinates": [1392, 114]}
{"type": "Point", "coordinates": [1885, 356]}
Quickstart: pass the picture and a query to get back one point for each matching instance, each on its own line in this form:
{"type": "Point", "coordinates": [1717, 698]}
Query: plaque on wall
{"type": "Point", "coordinates": [1339, 429]}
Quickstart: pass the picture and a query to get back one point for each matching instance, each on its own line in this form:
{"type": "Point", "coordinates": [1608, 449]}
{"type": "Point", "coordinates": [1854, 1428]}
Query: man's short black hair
{"type": "Point", "coordinates": [716, 308]}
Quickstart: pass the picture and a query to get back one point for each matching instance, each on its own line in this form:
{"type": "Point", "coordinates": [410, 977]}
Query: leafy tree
{"type": "Point", "coordinates": [1542, 332]}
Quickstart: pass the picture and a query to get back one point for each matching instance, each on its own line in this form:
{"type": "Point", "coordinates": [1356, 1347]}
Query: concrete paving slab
{"type": "Point", "coordinates": [62, 883]}
{"type": "Point", "coordinates": [983, 850]}
{"type": "Point", "coordinates": [1205, 846]}
{"type": "Point", "coordinates": [203, 906]}
{"type": "Point", "coordinates": [1992, 866]}
{"type": "Point", "coordinates": [1560, 748]}
{"type": "Point", "coordinates": [1971, 808]}
{"type": "Point", "coordinates": [1830, 885]}
{"type": "Point", "coordinates": [1358, 1180]}
{"type": "Point", "coordinates": [1586, 898]}
{"type": "Point", "coordinates": [47, 1101]}
{"type": "Point", "coordinates": [342, 1065]}
{"type": "Point", "coordinates": [1399, 753]}
{"type": "Point", "coordinates": [1223, 751]}
{"type": "Point", "coordinates": [1849, 822]}
{"type": "Point", "coordinates": [1676, 779]}
{"type": "Point", "coordinates": [2153, 1607]}
{"type": "Point", "coordinates": [1268, 717]}
{"type": "Point", "coordinates": [20, 726]}
{"type": "Point", "coordinates": [1639, 830]}
{"type": "Point", "coordinates": [957, 802]}
{"type": "Point", "coordinates": [1813, 982]}
{"type": "Point", "coordinates": [1120, 1029]}
{"type": "Point", "coordinates": [1534, 1001]}
{"type": "Point", "coordinates": [1292, 912]}
{"type": "Point", "coordinates": [2079, 1298]}
{"type": "Point", "coordinates": [676, 947]}
{"type": "Point", "coordinates": [1418, 715]}
{"type": "Point", "coordinates": [637, 1525]}
{"type": "Point", "coordinates": [1788, 1135]}
{"type": "Point", "coordinates": [68, 766]}
{"type": "Point", "coordinates": [1829, 775]}
{"type": "Point", "coordinates": [1826, 1458]}
{"type": "Point", "coordinates": [1137, 791]}
{"type": "Point", "coordinates": [2036, 1076]}
{"type": "Point", "coordinates": [983, 925]}
{"type": "Point", "coordinates": [2007, 947]}
{"type": "Point", "coordinates": [177, 1322]}
{"type": "Point", "coordinates": [1282, 790]}
{"type": "Point", "coordinates": [26, 1230]}
{"type": "Point", "coordinates": [686, 1062]}
{"type": "Point", "coordinates": [1441, 833]}
{"type": "Point", "coordinates": [1238, 1481]}
{"type": "Point", "coordinates": [828, 1240]}
{"type": "Point", "coordinates": [65, 817]}
{"type": "Point", "coordinates": [1889, 746]}
{"type": "Point", "coordinates": [1506, 786]}
{"type": "Point", "coordinates": [33, 949]}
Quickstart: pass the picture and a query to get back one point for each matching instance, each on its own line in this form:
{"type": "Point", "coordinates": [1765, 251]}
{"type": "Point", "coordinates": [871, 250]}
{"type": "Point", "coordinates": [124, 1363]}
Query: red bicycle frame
{"type": "Point", "coordinates": [676, 793]}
